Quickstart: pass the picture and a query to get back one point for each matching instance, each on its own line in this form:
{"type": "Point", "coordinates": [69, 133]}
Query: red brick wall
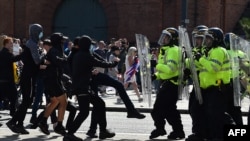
{"type": "Point", "coordinates": [41, 12]}
{"type": "Point", "coordinates": [233, 10]}
{"type": "Point", "coordinates": [222, 13]}
{"type": "Point", "coordinates": [140, 16]}
{"type": "Point", "coordinates": [125, 17]}
{"type": "Point", "coordinates": [7, 17]}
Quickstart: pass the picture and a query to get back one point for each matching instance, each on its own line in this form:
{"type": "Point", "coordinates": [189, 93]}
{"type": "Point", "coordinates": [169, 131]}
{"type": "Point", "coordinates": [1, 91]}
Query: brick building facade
{"type": "Point", "coordinates": [125, 17]}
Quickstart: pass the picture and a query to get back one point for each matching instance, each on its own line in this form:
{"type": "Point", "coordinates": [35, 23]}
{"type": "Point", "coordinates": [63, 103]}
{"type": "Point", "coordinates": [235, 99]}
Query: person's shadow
{"type": "Point", "coordinates": [16, 137]}
{"type": "Point", "coordinates": [90, 139]}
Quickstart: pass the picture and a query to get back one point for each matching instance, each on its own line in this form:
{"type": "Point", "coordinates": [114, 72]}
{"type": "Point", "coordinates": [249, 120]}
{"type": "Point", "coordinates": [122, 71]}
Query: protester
{"type": "Point", "coordinates": [31, 59]}
{"type": "Point", "coordinates": [53, 82]}
{"type": "Point", "coordinates": [82, 68]}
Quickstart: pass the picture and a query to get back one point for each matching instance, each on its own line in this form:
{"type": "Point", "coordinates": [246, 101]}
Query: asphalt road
{"type": "Point", "coordinates": [126, 129]}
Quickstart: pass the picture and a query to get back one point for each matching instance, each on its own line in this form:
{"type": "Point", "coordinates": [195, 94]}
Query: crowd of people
{"type": "Point", "coordinates": [61, 68]}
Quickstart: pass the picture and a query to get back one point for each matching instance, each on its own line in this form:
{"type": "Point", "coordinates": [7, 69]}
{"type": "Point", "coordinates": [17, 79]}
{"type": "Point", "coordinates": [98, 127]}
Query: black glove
{"type": "Point", "coordinates": [187, 74]}
{"type": "Point", "coordinates": [197, 56]}
{"type": "Point", "coordinates": [206, 52]}
{"type": "Point", "coordinates": [153, 63]}
{"type": "Point", "coordinates": [153, 77]}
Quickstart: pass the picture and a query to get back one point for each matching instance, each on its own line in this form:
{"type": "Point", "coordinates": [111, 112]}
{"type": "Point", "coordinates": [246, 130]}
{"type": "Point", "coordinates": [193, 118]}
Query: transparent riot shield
{"type": "Point", "coordinates": [234, 46]}
{"type": "Point", "coordinates": [181, 67]}
{"type": "Point", "coordinates": [240, 66]}
{"type": "Point", "coordinates": [145, 67]}
{"type": "Point", "coordinates": [185, 42]}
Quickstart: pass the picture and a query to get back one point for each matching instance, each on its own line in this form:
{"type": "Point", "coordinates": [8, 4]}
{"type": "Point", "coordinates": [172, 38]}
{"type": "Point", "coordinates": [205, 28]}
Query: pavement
{"type": "Point", "coordinates": [38, 136]}
{"type": "Point", "coordinates": [113, 109]}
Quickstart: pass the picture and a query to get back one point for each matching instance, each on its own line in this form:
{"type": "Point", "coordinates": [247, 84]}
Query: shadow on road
{"type": "Point", "coordinates": [36, 138]}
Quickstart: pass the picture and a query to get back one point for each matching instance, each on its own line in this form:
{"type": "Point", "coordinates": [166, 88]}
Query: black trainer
{"type": "Point", "coordinates": [59, 129]}
{"type": "Point", "coordinates": [157, 132]}
{"type": "Point", "coordinates": [135, 114]}
{"type": "Point", "coordinates": [33, 120]}
{"type": "Point", "coordinates": [33, 126]}
{"type": "Point", "coordinates": [44, 128]}
{"type": "Point", "coordinates": [91, 134]}
{"type": "Point", "coordinates": [12, 126]}
{"type": "Point", "coordinates": [22, 130]}
{"type": "Point", "coordinates": [176, 135]}
{"type": "Point", "coordinates": [71, 137]}
{"type": "Point", "coordinates": [106, 134]}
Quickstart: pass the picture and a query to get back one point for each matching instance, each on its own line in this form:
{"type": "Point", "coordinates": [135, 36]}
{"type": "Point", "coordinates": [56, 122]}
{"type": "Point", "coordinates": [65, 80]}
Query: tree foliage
{"type": "Point", "coordinates": [245, 23]}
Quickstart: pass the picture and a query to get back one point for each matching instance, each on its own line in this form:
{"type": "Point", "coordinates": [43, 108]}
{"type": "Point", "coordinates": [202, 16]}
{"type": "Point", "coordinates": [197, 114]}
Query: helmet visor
{"type": "Point", "coordinates": [164, 38]}
{"type": "Point", "coordinates": [198, 40]}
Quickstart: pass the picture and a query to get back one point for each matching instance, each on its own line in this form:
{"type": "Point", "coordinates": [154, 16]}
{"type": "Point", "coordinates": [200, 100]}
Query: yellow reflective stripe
{"type": "Point", "coordinates": [203, 70]}
{"type": "Point", "coordinates": [226, 61]}
{"type": "Point", "coordinates": [171, 68]}
{"type": "Point", "coordinates": [164, 57]}
{"type": "Point", "coordinates": [216, 61]}
{"type": "Point", "coordinates": [214, 67]}
{"type": "Point", "coordinates": [225, 69]}
{"type": "Point", "coordinates": [172, 61]}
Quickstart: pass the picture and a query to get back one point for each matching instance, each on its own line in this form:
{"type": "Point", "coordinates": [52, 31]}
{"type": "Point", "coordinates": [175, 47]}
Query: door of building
{"type": "Point", "coordinates": [78, 17]}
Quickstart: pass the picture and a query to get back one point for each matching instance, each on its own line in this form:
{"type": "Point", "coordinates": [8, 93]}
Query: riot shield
{"type": "Point", "coordinates": [181, 66]}
{"type": "Point", "coordinates": [145, 67]}
{"type": "Point", "coordinates": [240, 70]}
{"type": "Point", "coordinates": [185, 42]}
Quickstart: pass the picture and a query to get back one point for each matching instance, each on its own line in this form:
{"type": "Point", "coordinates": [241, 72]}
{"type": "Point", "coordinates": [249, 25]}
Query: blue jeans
{"type": "Point", "coordinates": [39, 95]}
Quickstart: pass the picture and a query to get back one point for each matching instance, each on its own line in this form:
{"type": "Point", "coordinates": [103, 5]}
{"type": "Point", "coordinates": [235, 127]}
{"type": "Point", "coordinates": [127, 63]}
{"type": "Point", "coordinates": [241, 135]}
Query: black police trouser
{"type": "Point", "coordinates": [165, 107]}
{"type": "Point", "coordinates": [214, 112]}
{"type": "Point", "coordinates": [248, 117]}
{"type": "Point", "coordinates": [84, 100]}
{"type": "Point", "coordinates": [233, 111]}
{"type": "Point", "coordinates": [28, 92]}
{"type": "Point", "coordinates": [9, 90]}
{"type": "Point", "coordinates": [196, 111]}
{"type": "Point", "coordinates": [104, 79]}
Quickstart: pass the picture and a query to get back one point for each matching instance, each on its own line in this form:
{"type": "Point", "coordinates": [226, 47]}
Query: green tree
{"type": "Point", "coordinates": [245, 23]}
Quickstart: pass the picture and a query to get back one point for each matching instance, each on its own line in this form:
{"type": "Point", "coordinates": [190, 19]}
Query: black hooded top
{"type": "Point", "coordinates": [32, 43]}
{"type": "Point", "coordinates": [6, 65]}
{"type": "Point", "coordinates": [82, 65]}
{"type": "Point", "coordinates": [56, 41]}
{"type": "Point", "coordinates": [30, 55]}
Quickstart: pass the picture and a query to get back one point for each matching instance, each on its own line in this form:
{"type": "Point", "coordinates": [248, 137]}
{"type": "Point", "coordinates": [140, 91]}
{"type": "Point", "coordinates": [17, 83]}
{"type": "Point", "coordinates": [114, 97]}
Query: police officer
{"type": "Point", "coordinates": [231, 109]}
{"type": "Point", "coordinates": [167, 72]}
{"type": "Point", "coordinates": [211, 77]}
{"type": "Point", "coordinates": [194, 107]}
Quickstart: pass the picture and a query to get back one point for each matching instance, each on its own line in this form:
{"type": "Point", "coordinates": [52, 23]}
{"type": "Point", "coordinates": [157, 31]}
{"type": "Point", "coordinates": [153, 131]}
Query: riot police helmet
{"type": "Point", "coordinates": [175, 35]}
{"type": "Point", "coordinates": [164, 38]}
{"type": "Point", "coordinates": [216, 35]}
{"type": "Point", "coordinates": [196, 30]}
{"type": "Point", "coordinates": [199, 37]}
